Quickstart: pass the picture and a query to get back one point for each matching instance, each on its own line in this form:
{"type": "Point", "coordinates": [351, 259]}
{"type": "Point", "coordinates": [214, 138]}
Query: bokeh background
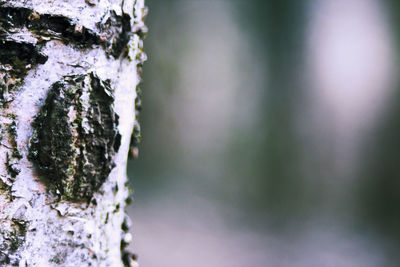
{"type": "Point", "coordinates": [271, 135]}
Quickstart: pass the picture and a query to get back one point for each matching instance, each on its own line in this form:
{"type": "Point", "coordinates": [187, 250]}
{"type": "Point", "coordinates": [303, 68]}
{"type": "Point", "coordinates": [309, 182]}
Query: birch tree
{"type": "Point", "coordinates": [69, 70]}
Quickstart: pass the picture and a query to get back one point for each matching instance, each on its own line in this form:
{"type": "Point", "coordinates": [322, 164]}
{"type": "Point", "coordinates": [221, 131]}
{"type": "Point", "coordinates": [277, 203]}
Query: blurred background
{"type": "Point", "coordinates": [271, 135]}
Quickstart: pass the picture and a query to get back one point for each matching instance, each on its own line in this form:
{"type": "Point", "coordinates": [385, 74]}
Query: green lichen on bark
{"type": "Point", "coordinates": [75, 136]}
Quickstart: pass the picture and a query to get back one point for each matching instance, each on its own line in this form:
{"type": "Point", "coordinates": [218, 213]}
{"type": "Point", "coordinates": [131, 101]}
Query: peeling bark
{"type": "Point", "coordinates": [69, 100]}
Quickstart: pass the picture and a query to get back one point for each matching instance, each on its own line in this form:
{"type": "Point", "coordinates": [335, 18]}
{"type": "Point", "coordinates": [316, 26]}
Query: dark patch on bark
{"type": "Point", "coordinates": [118, 30]}
{"type": "Point", "coordinates": [75, 136]}
{"type": "Point", "coordinates": [13, 19]}
{"type": "Point", "coordinates": [11, 167]}
{"type": "Point", "coordinates": [20, 55]}
{"type": "Point", "coordinates": [113, 34]}
{"type": "Point", "coordinates": [16, 59]}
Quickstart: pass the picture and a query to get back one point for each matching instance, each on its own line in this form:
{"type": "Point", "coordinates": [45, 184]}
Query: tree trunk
{"type": "Point", "coordinates": [68, 73]}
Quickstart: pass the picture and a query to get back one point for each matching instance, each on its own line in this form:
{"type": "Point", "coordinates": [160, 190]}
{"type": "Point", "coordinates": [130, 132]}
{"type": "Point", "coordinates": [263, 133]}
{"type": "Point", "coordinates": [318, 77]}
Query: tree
{"type": "Point", "coordinates": [68, 73]}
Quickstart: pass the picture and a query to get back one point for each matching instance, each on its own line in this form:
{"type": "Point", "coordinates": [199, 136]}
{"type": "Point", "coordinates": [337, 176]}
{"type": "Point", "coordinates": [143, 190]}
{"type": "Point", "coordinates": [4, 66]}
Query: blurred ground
{"type": "Point", "coordinates": [270, 135]}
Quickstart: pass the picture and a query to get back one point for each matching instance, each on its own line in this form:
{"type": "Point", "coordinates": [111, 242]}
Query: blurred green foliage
{"type": "Point", "coordinates": [264, 171]}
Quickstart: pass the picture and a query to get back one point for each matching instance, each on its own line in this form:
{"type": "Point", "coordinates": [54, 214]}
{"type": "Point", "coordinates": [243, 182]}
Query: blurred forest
{"type": "Point", "coordinates": [270, 134]}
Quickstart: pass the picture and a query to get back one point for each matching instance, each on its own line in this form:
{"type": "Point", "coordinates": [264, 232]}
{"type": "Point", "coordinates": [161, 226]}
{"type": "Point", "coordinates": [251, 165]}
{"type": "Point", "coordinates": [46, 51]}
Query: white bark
{"type": "Point", "coordinates": [42, 222]}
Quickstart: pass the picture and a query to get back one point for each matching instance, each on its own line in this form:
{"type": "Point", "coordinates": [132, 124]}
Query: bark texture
{"type": "Point", "coordinates": [69, 71]}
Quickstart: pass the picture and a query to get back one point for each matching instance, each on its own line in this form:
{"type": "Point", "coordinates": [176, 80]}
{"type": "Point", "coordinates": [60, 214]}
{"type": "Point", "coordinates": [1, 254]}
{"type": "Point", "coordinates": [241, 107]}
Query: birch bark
{"type": "Point", "coordinates": [68, 74]}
